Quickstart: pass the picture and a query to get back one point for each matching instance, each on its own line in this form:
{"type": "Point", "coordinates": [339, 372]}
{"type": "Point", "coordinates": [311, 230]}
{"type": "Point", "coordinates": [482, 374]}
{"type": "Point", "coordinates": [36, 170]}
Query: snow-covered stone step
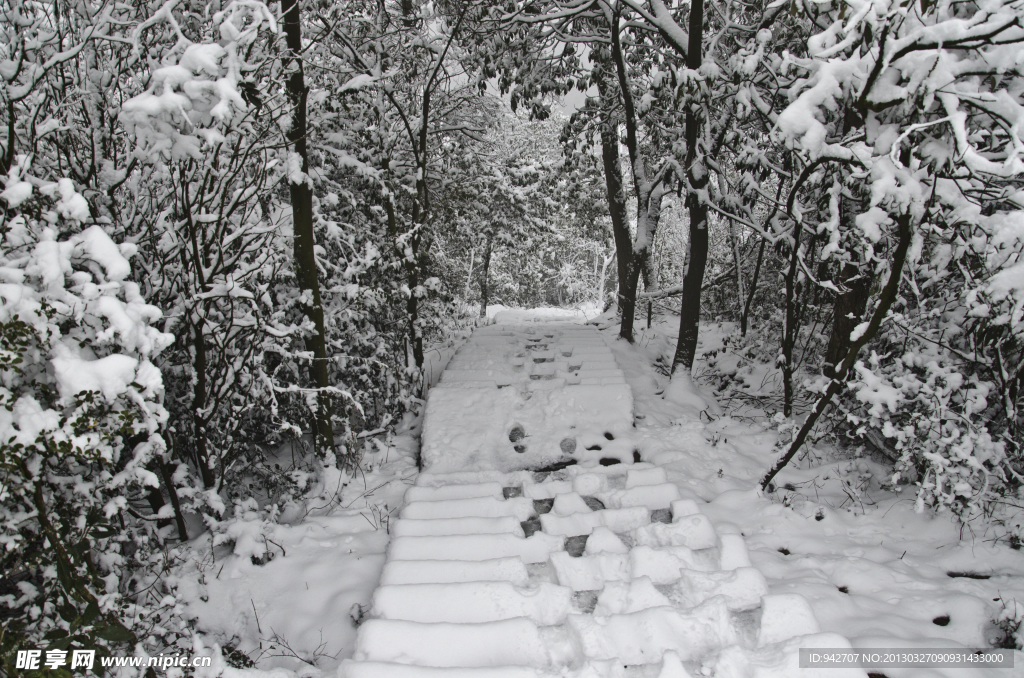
{"type": "Point", "coordinates": [584, 481]}
{"type": "Point", "coordinates": [481, 361]}
{"type": "Point", "coordinates": [785, 616]}
{"type": "Point", "coordinates": [601, 381]}
{"type": "Point", "coordinates": [520, 508]}
{"type": "Point", "coordinates": [462, 377]}
{"type": "Point", "coordinates": [465, 384]}
{"type": "Point", "coordinates": [473, 477]}
{"type": "Point", "coordinates": [644, 637]}
{"type": "Point", "coordinates": [639, 477]}
{"type": "Point", "coordinates": [734, 552]}
{"type": "Point", "coordinates": [410, 527]}
{"type": "Point", "coordinates": [568, 503]}
{"type": "Point", "coordinates": [650, 496]}
{"type": "Point", "coordinates": [592, 484]}
{"type": "Point", "coordinates": [603, 540]}
{"type": "Point", "coordinates": [542, 370]}
{"type": "Point", "coordinates": [578, 524]}
{"type": "Point", "coordinates": [598, 373]}
{"type": "Point", "coordinates": [666, 565]}
{"type": "Point", "coordinates": [546, 384]}
{"type": "Point", "coordinates": [511, 570]}
{"type": "Point", "coordinates": [473, 602]}
{"type": "Point", "coordinates": [493, 340]}
{"type": "Point", "coordinates": [512, 642]}
{"type": "Point", "coordinates": [546, 490]}
{"type": "Point", "coordinates": [592, 356]}
{"type": "Point", "coordinates": [620, 597]}
{"type": "Point", "coordinates": [694, 531]}
{"type": "Point", "coordinates": [589, 573]}
{"type": "Point", "coordinates": [541, 356]}
{"type": "Point", "coordinates": [682, 508]}
{"type": "Point", "coordinates": [742, 588]}
{"type": "Point", "coordinates": [534, 549]}
{"type": "Point", "coordinates": [588, 364]}
{"type": "Point", "coordinates": [461, 491]}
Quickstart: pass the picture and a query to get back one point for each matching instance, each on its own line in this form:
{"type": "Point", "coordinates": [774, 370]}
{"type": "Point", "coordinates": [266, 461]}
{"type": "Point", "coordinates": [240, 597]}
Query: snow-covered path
{"type": "Point", "coordinates": [536, 542]}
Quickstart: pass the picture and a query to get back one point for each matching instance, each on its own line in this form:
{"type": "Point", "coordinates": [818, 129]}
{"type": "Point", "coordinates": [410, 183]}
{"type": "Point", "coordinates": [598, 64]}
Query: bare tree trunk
{"type": "Point", "coordinates": [734, 237]}
{"type": "Point", "coordinates": [760, 258]}
{"type": "Point", "coordinates": [697, 179]}
{"type": "Point", "coordinates": [469, 276]}
{"type": "Point", "coordinates": [172, 492]}
{"type": "Point", "coordinates": [753, 289]}
{"type": "Point", "coordinates": [734, 244]}
{"type": "Point", "coordinates": [302, 224]}
{"type": "Point", "coordinates": [198, 407]}
{"type": "Point", "coordinates": [165, 475]}
{"type": "Point", "coordinates": [606, 261]}
{"type": "Point", "coordinates": [791, 328]}
{"type": "Point", "coordinates": [616, 195]}
{"type": "Point", "coordinates": [849, 306]}
{"type": "Point", "coordinates": [485, 269]}
{"type": "Point", "coordinates": [885, 301]}
{"type": "Point", "coordinates": [649, 190]}
{"type": "Point", "coordinates": [847, 312]}
{"type": "Point", "coordinates": [7, 159]}
{"type": "Point", "coordinates": [646, 274]}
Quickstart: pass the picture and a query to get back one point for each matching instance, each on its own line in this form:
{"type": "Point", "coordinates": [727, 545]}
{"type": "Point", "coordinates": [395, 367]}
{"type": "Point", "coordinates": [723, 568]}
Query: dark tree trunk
{"type": "Point", "coordinates": [7, 160]}
{"type": "Point", "coordinates": [791, 328]}
{"type": "Point", "coordinates": [697, 178]}
{"type": "Point", "coordinates": [412, 307]}
{"type": "Point", "coordinates": [885, 300]}
{"type": "Point", "coordinates": [847, 313]}
{"type": "Point", "coordinates": [302, 225]}
{"type": "Point", "coordinates": [198, 405]}
{"type": "Point", "coordinates": [616, 194]}
{"type": "Point", "coordinates": [693, 281]}
{"type": "Point", "coordinates": [753, 289]}
{"type": "Point", "coordinates": [155, 498]}
{"type": "Point", "coordinates": [172, 493]}
{"type": "Point", "coordinates": [649, 190]}
{"type": "Point", "coordinates": [646, 274]}
{"type": "Point", "coordinates": [485, 269]}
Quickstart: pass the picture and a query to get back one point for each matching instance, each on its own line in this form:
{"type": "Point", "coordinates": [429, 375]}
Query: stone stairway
{"type": "Point", "coordinates": [536, 544]}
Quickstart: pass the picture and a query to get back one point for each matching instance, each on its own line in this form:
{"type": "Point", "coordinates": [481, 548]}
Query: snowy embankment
{"type": "Point", "coordinates": [872, 570]}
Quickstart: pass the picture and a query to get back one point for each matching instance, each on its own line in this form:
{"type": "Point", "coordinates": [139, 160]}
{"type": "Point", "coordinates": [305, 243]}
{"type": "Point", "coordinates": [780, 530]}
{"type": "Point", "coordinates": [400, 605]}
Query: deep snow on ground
{"type": "Point", "coordinates": [872, 569]}
{"type": "Point", "coordinates": [508, 315]}
{"type": "Point", "coordinates": [297, 610]}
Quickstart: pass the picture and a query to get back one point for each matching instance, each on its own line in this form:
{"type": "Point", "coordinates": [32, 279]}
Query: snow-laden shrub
{"type": "Point", "coordinates": [911, 191]}
{"type": "Point", "coordinates": [80, 414]}
{"type": "Point", "coordinates": [930, 413]}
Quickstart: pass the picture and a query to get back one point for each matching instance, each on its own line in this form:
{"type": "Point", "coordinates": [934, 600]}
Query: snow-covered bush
{"type": "Point", "coordinates": [80, 418]}
{"type": "Point", "coordinates": [904, 126]}
{"type": "Point", "coordinates": [932, 416]}
{"type": "Point", "coordinates": [214, 246]}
